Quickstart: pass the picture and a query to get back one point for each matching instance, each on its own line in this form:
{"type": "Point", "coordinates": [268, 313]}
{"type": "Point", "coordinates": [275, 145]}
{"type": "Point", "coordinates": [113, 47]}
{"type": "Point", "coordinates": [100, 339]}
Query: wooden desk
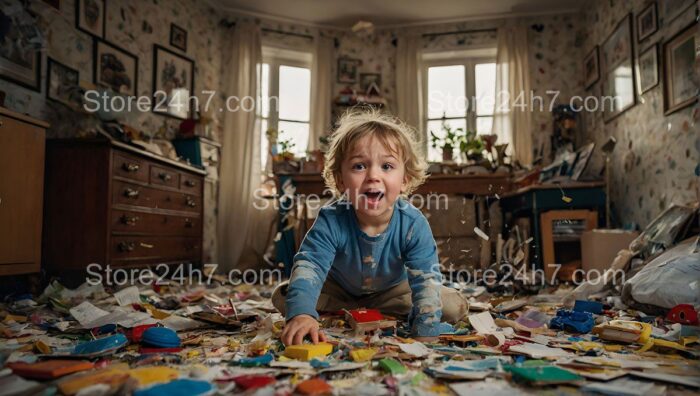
{"type": "Point", "coordinates": [532, 201]}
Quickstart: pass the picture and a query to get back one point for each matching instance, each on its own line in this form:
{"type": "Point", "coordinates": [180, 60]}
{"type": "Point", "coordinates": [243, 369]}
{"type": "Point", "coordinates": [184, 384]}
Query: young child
{"type": "Point", "coordinates": [371, 248]}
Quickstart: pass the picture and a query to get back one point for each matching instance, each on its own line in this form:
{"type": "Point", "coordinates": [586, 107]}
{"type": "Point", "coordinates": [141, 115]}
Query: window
{"type": "Point", "coordinates": [459, 89]}
{"type": "Point", "coordinates": [286, 97]}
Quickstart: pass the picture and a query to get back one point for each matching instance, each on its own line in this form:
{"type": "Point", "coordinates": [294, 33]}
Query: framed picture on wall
{"type": "Point", "coordinates": [347, 70]}
{"type": "Point", "coordinates": [366, 79]}
{"type": "Point", "coordinates": [90, 16]}
{"type": "Point", "coordinates": [178, 37]}
{"type": "Point", "coordinates": [115, 68]}
{"type": "Point", "coordinates": [618, 71]}
{"type": "Point", "coordinates": [591, 67]}
{"type": "Point", "coordinates": [173, 83]}
{"type": "Point", "coordinates": [20, 60]}
{"type": "Point", "coordinates": [672, 9]}
{"type": "Point", "coordinates": [62, 84]}
{"type": "Point", "coordinates": [647, 22]}
{"type": "Point", "coordinates": [680, 82]}
{"type": "Point", "coordinates": [648, 68]}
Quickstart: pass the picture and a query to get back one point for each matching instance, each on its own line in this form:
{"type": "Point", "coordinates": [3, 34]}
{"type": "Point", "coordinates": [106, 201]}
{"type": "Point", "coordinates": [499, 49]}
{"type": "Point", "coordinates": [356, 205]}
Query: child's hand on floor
{"type": "Point", "coordinates": [298, 327]}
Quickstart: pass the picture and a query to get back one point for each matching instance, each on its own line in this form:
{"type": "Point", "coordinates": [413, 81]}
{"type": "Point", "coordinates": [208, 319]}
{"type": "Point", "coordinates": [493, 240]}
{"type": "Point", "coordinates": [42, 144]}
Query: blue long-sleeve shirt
{"type": "Point", "coordinates": [336, 246]}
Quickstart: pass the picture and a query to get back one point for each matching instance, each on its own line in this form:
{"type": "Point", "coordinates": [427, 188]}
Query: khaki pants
{"type": "Point", "coordinates": [395, 301]}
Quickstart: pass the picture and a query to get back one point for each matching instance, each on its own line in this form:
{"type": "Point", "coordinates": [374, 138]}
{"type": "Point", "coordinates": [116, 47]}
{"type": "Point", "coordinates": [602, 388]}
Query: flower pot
{"type": "Point", "coordinates": [446, 154]}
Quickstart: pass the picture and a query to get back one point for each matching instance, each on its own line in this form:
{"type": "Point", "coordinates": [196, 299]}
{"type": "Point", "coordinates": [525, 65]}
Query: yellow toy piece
{"type": "Point", "coordinates": [363, 355]}
{"type": "Point", "coordinates": [307, 352]}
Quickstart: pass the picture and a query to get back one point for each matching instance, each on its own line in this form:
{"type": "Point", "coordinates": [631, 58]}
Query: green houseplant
{"type": "Point", "coordinates": [452, 138]}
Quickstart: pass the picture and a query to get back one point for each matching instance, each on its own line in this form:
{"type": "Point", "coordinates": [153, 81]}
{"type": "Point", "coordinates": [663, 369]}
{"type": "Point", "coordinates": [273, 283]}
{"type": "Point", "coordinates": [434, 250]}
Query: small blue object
{"type": "Point", "coordinates": [101, 345]}
{"type": "Point", "coordinates": [575, 322]}
{"type": "Point", "coordinates": [160, 337]}
{"type": "Point", "coordinates": [178, 387]}
{"type": "Point", "coordinates": [588, 306]}
{"type": "Point", "coordinates": [318, 364]}
{"type": "Point", "coordinates": [263, 360]}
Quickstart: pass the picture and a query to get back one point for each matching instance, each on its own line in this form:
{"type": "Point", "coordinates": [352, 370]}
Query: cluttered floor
{"type": "Point", "coordinates": [635, 338]}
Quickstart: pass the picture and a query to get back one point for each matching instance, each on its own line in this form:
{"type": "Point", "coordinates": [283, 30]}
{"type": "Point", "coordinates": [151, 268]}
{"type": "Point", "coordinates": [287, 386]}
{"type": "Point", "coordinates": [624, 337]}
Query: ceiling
{"type": "Point", "coordinates": [344, 13]}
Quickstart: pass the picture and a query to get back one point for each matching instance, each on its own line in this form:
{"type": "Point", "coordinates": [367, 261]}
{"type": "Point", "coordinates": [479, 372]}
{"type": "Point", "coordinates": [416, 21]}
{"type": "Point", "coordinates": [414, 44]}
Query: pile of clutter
{"type": "Point", "coordinates": [639, 337]}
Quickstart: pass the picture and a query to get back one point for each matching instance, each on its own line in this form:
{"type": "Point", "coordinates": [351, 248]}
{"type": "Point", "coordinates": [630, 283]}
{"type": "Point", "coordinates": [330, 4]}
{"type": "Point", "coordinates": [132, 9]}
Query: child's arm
{"type": "Point", "coordinates": [311, 266]}
{"type": "Point", "coordinates": [424, 278]}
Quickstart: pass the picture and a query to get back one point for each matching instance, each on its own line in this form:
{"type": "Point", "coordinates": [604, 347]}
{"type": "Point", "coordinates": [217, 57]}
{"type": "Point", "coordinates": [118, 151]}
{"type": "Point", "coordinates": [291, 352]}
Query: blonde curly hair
{"type": "Point", "coordinates": [356, 124]}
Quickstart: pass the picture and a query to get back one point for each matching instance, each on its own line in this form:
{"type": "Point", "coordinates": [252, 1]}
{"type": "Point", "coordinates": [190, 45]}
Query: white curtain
{"type": "Point", "coordinates": [409, 99]}
{"type": "Point", "coordinates": [512, 120]}
{"type": "Point", "coordinates": [240, 159]}
{"type": "Point", "coordinates": [321, 90]}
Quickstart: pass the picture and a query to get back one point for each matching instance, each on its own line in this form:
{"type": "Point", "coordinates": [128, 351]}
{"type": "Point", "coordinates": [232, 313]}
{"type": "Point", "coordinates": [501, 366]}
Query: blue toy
{"type": "Point", "coordinates": [575, 322]}
{"type": "Point", "coordinates": [160, 337]}
{"type": "Point", "coordinates": [101, 346]}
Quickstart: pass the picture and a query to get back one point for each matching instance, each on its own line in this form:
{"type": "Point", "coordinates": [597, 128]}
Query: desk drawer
{"type": "Point", "coordinates": [132, 194]}
{"type": "Point", "coordinates": [126, 221]}
{"type": "Point", "coordinates": [165, 248]}
{"type": "Point", "coordinates": [128, 166]}
{"type": "Point", "coordinates": [164, 176]}
{"type": "Point", "coordinates": [190, 184]}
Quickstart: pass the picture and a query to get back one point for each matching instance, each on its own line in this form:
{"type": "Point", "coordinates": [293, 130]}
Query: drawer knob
{"type": "Point", "coordinates": [190, 183]}
{"type": "Point", "coordinates": [129, 220]}
{"type": "Point", "coordinates": [188, 223]}
{"type": "Point", "coordinates": [146, 245]}
{"type": "Point", "coordinates": [129, 167]}
{"type": "Point", "coordinates": [190, 202]}
{"type": "Point", "coordinates": [165, 176]}
{"type": "Point", "coordinates": [131, 193]}
{"type": "Point", "coordinates": [126, 246]}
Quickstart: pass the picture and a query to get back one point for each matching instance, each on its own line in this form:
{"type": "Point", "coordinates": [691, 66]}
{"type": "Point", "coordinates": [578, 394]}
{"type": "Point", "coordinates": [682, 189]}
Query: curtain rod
{"type": "Point", "coordinates": [459, 32]}
{"type": "Point", "coordinates": [229, 24]}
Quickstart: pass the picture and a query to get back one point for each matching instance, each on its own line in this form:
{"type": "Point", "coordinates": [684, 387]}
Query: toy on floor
{"type": "Point", "coordinates": [368, 320]}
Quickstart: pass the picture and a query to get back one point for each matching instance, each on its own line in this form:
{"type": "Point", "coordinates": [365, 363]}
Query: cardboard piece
{"type": "Point", "coordinates": [600, 246]}
{"type": "Point", "coordinates": [49, 369]}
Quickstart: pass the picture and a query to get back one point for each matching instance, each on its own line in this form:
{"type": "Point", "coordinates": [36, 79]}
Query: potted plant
{"type": "Point", "coordinates": [472, 146]}
{"type": "Point", "coordinates": [452, 138]}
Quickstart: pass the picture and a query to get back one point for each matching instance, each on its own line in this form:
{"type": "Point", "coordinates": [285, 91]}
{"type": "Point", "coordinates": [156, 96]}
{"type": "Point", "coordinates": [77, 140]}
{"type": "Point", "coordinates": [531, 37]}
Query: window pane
{"type": "Point", "coordinates": [485, 76]}
{"type": "Point", "coordinates": [483, 125]}
{"type": "Point", "coordinates": [435, 154]}
{"type": "Point", "coordinates": [298, 132]}
{"type": "Point", "coordinates": [263, 144]}
{"type": "Point", "coordinates": [265, 88]}
{"type": "Point", "coordinates": [295, 93]}
{"type": "Point", "coordinates": [446, 91]}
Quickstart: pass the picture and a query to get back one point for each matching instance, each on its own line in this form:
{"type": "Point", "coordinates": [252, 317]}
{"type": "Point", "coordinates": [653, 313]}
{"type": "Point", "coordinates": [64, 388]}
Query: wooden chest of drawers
{"type": "Point", "coordinates": [109, 203]}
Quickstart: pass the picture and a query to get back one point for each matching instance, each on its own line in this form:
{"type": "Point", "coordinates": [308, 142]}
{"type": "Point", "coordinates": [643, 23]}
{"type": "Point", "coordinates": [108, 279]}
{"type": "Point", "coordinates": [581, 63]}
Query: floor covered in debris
{"type": "Point", "coordinates": [100, 341]}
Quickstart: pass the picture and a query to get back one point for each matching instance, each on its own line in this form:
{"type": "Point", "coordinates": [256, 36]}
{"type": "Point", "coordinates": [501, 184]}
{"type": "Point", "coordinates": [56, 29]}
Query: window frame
{"type": "Point", "coordinates": [480, 56]}
{"type": "Point", "coordinates": [276, 57]}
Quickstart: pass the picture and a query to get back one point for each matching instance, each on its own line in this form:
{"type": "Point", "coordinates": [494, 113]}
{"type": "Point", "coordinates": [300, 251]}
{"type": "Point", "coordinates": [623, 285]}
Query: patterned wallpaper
{"type": "Point", "coordinates": [656, 157]}
{"type": "Point", "coordinates": [134, 25]}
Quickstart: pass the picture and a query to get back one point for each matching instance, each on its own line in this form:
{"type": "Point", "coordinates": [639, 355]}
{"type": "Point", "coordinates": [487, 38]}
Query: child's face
{"type": "Point", "coordinates": [373, 177]}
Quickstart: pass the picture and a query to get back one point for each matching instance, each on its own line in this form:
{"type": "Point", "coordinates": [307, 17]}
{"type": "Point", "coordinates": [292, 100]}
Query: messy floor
{"type": "Point", "coordinates": [639, 337]}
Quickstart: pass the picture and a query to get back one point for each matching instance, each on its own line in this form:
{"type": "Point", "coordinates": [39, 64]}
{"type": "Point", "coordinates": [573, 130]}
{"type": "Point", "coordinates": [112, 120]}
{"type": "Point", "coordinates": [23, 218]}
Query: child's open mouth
{"type": "Point", "coordinates": [373, 196]}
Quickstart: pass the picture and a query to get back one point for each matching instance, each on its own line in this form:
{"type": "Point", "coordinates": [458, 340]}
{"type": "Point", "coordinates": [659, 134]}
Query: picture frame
{"type": "Point", "coordinates": [347, 70]}
{"type": "Point", "coordinates": [591, 67]}
{"type": "Point", "coordinates": [618, 68]}
{"type": "Point", "coordinates": [178, 37]}
{"type": "Point", "coordinates": [173, 83]}
{"type": "Point", "coordinates": [368, 78]}
{"type": "Point", "coordinates": [115, 68]}
{"type": "Point", "coordinates": [583, 156]}
{"type": "Point", "coordinates": [672, 9]}
{"type": "Point", "coordinates": [91, 17]}
{"type": "Point", "coordinates": [680, 81]}
{"type": "Point", "coordinates": [62, 84]}
{"type": "Point", "coordinates": [20, 60]}
{"type": "Point", "coordinates": [647, 22]}
{"type": "Point", "coordinates": [648, 68]}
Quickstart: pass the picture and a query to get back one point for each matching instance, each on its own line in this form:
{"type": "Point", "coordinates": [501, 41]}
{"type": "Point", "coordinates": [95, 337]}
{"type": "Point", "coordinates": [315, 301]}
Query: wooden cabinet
{"type": "Point", "coordinates": [561, 241]}
{"type": "Point", "coordinates": [110, 203]}
{"type": "Point", "coordinates": [21, 192]}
